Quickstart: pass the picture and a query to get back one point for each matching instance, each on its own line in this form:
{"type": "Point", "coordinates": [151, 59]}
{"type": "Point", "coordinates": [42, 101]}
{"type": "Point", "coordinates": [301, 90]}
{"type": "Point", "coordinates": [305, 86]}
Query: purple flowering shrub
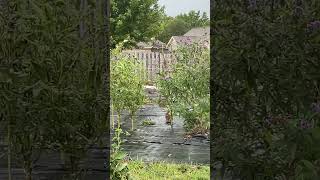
{"type": "Point", "coordinates": [266, 88]}
{"type": "Point", "coordinates": [313, 26]}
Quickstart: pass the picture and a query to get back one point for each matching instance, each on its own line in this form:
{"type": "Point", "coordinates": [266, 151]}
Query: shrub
{"type": "Point", "coordinates": [52, 95]}
{"type": "Point", "coordinates": [127, 91]}
{"type": "Point", "coordinates": [186, 89]}
{"type": "Point", "coordinates": [118, 165]}
{"type": "Point", "coordinates": [264, 79]}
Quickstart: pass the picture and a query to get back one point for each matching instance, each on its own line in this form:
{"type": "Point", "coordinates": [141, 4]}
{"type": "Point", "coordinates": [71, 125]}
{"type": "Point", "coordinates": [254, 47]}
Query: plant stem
{"type": "Point", "coordinates": [9, 150]}
{"type": "Point", "coordinates": [119, 116]}
{"type": "Point", "coordinates": [171, 118]}
{"type": "Point", "coordinates": [131, 115]}
{"type": "Point", "coordinates": [28, 172]}
{"type": "Point", "coordinates": [112, 115]}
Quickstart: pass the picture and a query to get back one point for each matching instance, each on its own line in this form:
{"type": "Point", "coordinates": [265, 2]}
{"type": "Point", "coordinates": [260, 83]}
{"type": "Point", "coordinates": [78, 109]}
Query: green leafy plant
{"type": "Point", "coordinates": [264, 80]}
{"type": "Point", "coordinates": [127, 14]}
{"type": "Point", "coordinates": [127, 91]}
{"type": "Point", "coordinates": [118, 165]}
{"type": "Point", "coordinates": [186, 90]}
{"type": "Point", "coordinates": [148, 122]}
{"type": "Point", "coordinates": [52, 92]}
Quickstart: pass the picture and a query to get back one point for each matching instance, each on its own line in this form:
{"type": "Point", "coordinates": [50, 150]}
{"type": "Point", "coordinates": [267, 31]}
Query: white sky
{"type": "Point", "coordinates": [176, 7]}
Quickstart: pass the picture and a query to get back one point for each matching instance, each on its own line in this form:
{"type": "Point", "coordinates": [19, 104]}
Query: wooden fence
{"type": "Point", "coordinates": [153, 61]}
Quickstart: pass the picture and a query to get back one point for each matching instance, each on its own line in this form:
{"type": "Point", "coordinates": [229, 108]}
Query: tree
{"type": "Point", "coordinates": [181, 24]}
{"type": "Point", "coordinates": [135, 20]}
{"type": "Point", "coordinates": [186, 91]}
{"type": "Point", "coordinates": [174, 27]}
{"type": "Point", "coordinates": [194, 19]}
{"type": "Point", "coordinates": [127, 90]}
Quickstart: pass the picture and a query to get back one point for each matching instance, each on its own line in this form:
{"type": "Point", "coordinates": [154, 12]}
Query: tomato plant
{"type": "Point", "coordinates": [127, 91]}
{"type": "Point", "coordinates": [186, 90]}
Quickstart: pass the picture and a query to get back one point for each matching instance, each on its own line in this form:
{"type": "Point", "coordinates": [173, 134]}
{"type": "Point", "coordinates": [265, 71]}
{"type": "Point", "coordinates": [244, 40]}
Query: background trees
{"type": "Point", "coordinates": [194, 19]}
{"type": "Point", "coordinates": [179, 25]}
{"type": "Point", "coordinates": [135, 20]}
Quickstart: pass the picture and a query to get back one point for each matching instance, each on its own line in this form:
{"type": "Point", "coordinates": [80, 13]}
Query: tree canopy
{"type": "Point", "coordinates": [194, 19]}
{"type": "Point", "coordinates": [181, 24]}
{"type": "Point", "coordinates": [135, 20]}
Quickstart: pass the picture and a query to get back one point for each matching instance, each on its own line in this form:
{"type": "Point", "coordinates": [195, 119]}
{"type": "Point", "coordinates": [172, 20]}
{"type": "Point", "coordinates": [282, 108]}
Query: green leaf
{"type": "Point", "coordinates": [122, 166]}
{"type": "Point", "coordinates": [120, 156]}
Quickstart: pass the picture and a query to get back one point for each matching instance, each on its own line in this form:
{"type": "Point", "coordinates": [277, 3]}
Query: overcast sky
{"type": "Point", "coordinates": [176, 7]}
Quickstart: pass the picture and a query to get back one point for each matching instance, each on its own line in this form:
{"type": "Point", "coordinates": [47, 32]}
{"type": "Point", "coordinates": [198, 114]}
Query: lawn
{"type": "Point", "coordinates": [167, 171]}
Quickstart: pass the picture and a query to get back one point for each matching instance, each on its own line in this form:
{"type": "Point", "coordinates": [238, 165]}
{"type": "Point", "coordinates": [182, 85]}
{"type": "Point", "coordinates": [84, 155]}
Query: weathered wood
{"type": "Point", "coordinates": [154, 61]}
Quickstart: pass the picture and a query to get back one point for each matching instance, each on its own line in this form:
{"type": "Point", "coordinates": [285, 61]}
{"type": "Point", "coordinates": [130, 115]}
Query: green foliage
{"type": "Point", "coordinates": [194, 19]}
{"type": "Point", "coordinates": [127, 91]}
{"type": "Point", "coordinates": [135, 20]}
{"type": "Point", "coordinates": [118, 166]}
{"type": "Point", "coordinates": [181, 24]}
{"type": "Point", "coordinates": [186, 91]}
{"type": "Point", "coordinates": [164, 170]}
{"type": "Point", "coordinates": [51, 93]}
{"type": "Point", "coordinates": [265, 78]}
{"type": "Point", "coordinates": [174, 27]}
{"type": "Point", "coordinates": [148, 122]}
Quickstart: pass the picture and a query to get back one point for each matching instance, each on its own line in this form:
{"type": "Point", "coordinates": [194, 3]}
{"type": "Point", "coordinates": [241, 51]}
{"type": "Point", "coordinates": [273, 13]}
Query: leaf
{"type": "Point", "coordinates": [40, 71]}
{"type": "Point", "coordinates": [292, 149]}
{"type": "Point", "coordinates": [120, 156]}
{"type": "Point", "coordinates": [307, 164]}
{"type": "Point", "coordinates": [268, 137]}
{"type": "Point", "coordinates": [5, 75]}
{"type": "Point", "coordinates": [122, 166]}
{"type": "Point", "coordinates": [40, 12]}
{"type": "Point", "coordinates": [316, 133]}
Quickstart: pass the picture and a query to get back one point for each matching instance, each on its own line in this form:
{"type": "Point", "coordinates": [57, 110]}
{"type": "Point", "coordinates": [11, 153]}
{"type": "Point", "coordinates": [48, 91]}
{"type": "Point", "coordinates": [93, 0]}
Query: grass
{"type": "Point", "coordinates": [148, 122]}
{"type": "Point", "coordinates": [167, 171]}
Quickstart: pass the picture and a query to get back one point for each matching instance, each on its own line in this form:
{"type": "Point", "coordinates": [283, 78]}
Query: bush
{"type": "Point", "coordinates": [118, 165]}
{"type": "Point", "coordinates": [186, 89]}
{"type": "Point", "coordinates": [127, 91]}
{"type": "Point", "coordinates": [265, 77]}
{"type": "Point", "coordinates": [52, 94]}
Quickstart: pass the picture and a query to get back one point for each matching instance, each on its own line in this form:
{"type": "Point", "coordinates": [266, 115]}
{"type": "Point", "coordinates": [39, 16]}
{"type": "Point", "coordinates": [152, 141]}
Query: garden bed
{"type": "Point", "coordinates": [161, 142]}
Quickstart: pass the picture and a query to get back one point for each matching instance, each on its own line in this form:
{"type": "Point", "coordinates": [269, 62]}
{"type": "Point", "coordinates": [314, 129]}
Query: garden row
{"type": "Point", "coordinates": [184, 92]}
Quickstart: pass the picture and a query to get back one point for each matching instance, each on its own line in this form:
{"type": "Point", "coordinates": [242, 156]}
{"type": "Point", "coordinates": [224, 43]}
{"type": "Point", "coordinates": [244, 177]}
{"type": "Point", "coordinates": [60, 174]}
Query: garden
{"type": "Point", "coordinates": [55, 91]}
{"type": "Point", "coordinates": [182, 102]}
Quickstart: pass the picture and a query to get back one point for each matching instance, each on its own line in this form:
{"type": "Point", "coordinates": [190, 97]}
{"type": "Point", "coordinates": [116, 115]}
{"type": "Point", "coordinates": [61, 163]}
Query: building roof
{"type": "Point", "coordinates": [200, 31]}
{"type": "Point", "coordinates": [186, 40]}
{"type": "Point", "coordinates": [189, 40]}
{"type": "Point", "coordinates": [200, 35]}
{"type": "Point", "coordinates": [143, 44]}
{"type": "Point", "coordinates": [158, 44]}
{"type": "Point", "coordinates": [154, 44]}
